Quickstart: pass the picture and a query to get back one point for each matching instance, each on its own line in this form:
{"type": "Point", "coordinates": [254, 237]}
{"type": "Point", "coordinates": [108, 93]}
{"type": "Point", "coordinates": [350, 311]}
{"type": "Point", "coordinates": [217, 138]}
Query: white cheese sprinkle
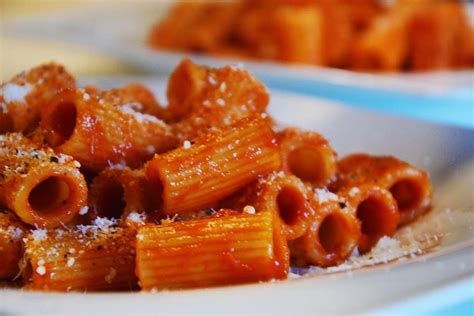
{"type": "Point", "coordinates": [223, 87]}
{"type": "Point", "coordinates": [70, 262]}
{"type": "Point", "coordinates": [220, 102]}
{"type": "Point", "coordinates": [187, 144]}
{"type": "Point", "coordinates": [41, 270]}
{"type": "Point", "coordinates": [136, 217]}
{"type": "Point", "coordinates": [39, 234]}
{"type": "Point", "coordinates": [354, 191]}
{"type": "Point", "coordinates": [15, 93]}
{"type": "Point", "coordinates": [249, 209]}
{"type": "Point", "coordinates": [140, 117]}
{"type": "Point", "coordinates": [324, 195]}
{"type": "Point", "coordinates": [211, 80]}
{"type": "Point", "coordinates": [86, 97]}
{"type": "Point", "coordinates": [84, 210]}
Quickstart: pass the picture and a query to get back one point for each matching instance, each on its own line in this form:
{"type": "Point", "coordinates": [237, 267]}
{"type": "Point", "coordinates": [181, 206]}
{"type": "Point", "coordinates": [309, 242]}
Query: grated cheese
{"type": "Point", "coordinates": [41, 270]}
{"type": "Point", "coordinates": [136, 217]}
{"type": "Point", "coordinates": [211, 80]}
{"type": "Point", "coordinates": [39, 234]}
{"type": "Point", "coordinates": [220, 102]}
{"type": "Point", "coordinates": [223, 87]}
{"type": "Point", "coordinates": [354, 191]}
{"type": "Point", "coordinates": [70, 261]}
{"type": "Point", "coordinates": [187, 144]}
{"type": "Point", "coordinates": [138, 116]}
{"type": "Point", "coordinates": [324, 195]}
{"type": "Point", "coordinates": [15, 93]}
{"type": "Point", "coordinates": [84, 210]}
{"type": "Point", "coordinates": [249, 209]}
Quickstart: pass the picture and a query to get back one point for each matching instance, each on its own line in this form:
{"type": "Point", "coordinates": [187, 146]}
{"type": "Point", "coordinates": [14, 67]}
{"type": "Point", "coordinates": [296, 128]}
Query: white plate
{"type": "Point", "coordinates": [444, 276]}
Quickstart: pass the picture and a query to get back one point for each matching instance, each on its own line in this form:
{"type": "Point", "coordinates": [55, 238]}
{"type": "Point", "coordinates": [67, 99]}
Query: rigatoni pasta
{"type": "Point", "coordinates": [118, 192]}
{"type": "Point", "coordinates": [225, 249]}
{"type": "Point", "coordinates": [202, 98]}
{"type": "Point", "coordinates": [377, 211]}
{"type": "Point", "coordinates": [367, 35]}
{"type": "Point", "coordinates": [197, 176]}
{"type": "Point", "coordinates": [217, 195]}
{"type": "Point", "coordinates": [99, 134]}
{"type": "Point", "coordinates": [41, 187]}
{"type": "Point", "coordinates": [331, 238]}
{"type": "Point", "coordinates": [285, 195]}
{"type": "Point", "coordinates": [24, 97]}
{"type": "Point", "coordinates": [134, 94]}
{"type": "Point", "coordinates": [307, 155]}
{"type": "Point", "coordinates": [96, 257]}
{"type": "Point", "coordinates": [410, 186]}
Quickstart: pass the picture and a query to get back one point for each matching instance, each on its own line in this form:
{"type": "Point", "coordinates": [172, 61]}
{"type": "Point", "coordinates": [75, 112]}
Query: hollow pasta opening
{"type": "Point", "coordinates": [48, 195]}
{"type": "Point", "coordinates": [291, 204]}
{"type": "Point", "coordinates": [111, 202]}
{"type": "Point", "coordinates": [308, 164]}
{"type": "Point", "coordinates": [334, 234]}
{"type": "Point", "coordinates": [408, 194]}
{"type": "Point", "coordinates": [375, 216]}
{"type": "Point", "coordinates": [63, 122]}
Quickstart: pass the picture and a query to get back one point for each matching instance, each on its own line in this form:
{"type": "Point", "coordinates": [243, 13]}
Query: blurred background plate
{"type": "Point", "coordinates": [434, 281]}
{"type": "Point", "coordinates": [120, 30]}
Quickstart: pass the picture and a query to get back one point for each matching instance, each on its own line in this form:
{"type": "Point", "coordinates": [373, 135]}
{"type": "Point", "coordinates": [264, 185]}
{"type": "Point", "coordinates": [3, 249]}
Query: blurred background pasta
{"type": "Point", "coordinates": [366, 35]}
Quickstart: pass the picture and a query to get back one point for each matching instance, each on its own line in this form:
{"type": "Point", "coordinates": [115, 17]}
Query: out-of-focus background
{"type": "Point", "coordinates": [18, 54]}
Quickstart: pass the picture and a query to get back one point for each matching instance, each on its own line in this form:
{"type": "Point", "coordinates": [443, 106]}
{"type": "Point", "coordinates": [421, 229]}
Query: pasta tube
{"type": "Point", "coordinates": [285, 195]}
{"type": "Point", "coordinates": [23, 97]}
{"type": "Point", "coordinates": [287, 33]}
{"type": "Point", "coordinates": [201, 97]}
{"type": "Point", "coordinates": [225, 249]}
{"type": "Point", "coordinates": [197, 176]}
{"type": "Point", "coordinates": [96, 257]}
{"type": "Point", "coordinates": [307, 155]}
{"type": "Point", "coordinates": [140, 97]}
{"type": "Point", "coordinates": [40, 186]}
{"type": "Point", "coordinates": [332, 236]}
{"type": "Point", "coordinates": [376, 210]}
{"type": "Point", "coordinates": [385, 44]}
{"type": "Point", "coordinates": [117, 193]}
{"type": "Point", "coordinates": [445, 46]}
{"type": "Point", "coordinates": [99, 134]}
{"type": "Point", "coordinates": [410, 186]}
{"type": "Point", "coordinates": [11, 231]}
{"type": "Point", "coordinates": [195, 26]}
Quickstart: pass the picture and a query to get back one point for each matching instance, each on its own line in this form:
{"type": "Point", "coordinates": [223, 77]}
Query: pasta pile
{"type": "Point", "coordinates": [366, 35]}
{"type": "Point", "coordinates": [108, 190]}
